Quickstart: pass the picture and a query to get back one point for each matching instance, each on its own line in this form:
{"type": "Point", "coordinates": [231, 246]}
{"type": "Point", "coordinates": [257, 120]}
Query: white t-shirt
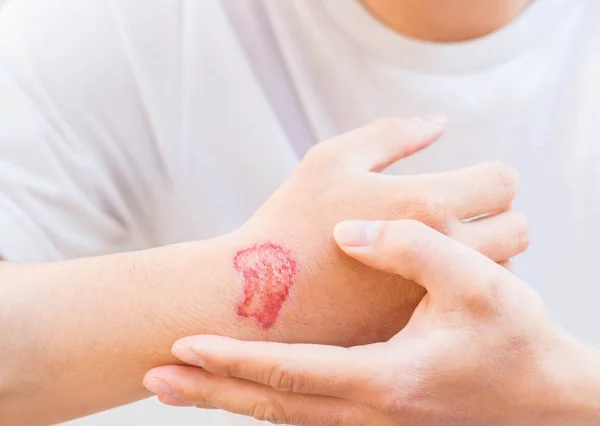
{"type": "Point", "coordinates": [132, 123]}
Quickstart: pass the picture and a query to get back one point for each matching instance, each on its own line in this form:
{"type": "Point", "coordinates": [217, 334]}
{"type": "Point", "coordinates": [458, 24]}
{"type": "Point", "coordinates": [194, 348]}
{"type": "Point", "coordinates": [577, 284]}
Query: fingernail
{"type": "Point", "coordinates": [187, 355]}
{"type": "Point", "coordinates": [158, 386]}
{"type": "Point", "coordinates": [438, 120]}
{"type": "Point", "coordinates": [356, 233]}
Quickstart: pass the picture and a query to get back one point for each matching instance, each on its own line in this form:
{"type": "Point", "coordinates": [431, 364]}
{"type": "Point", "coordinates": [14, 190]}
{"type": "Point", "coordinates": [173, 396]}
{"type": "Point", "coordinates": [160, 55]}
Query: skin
{"type": "Point", "coordinates": [78, 336]}
{"type": "Point", "coordinates": [446, 20]}
{"type": "Point", "coordinates": [479, 350]}
{"type": "Point", "coordinates": [269, 274]}
{"type": "Point", "coordinates": [116, 297]}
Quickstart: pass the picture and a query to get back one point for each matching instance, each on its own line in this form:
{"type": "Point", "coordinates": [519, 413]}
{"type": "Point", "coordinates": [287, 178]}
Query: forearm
{"type": "Point", "coordinates": [581, 388]}
{"type": "Point", "coordinates": [568, 392]}
{"type": "Point", "coordinates": [78, 336]}
{"type": "Point", "coordinates": [591, 386]}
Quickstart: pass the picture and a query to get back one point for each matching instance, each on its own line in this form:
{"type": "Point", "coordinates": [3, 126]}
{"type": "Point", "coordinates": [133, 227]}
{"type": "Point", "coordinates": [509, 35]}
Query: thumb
{"type": "Point", "coordinates": [451, 272]}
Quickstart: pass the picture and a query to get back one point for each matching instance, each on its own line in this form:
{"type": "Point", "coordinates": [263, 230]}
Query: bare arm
{"type": "Point", "coordinates": [576, 375]}
{"type": "Point", "coordinates": [78, 336]}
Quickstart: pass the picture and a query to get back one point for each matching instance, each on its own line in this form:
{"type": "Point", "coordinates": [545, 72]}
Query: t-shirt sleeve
{"type": "Point", "coordinates": [80, 167]}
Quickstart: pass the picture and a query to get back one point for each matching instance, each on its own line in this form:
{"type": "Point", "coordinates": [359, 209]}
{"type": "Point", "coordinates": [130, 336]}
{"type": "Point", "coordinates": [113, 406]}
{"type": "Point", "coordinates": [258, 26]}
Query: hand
{"type": "Point", "coordinates": [350, 302]}
{"type": "Point", "coordinates": [479, 350]}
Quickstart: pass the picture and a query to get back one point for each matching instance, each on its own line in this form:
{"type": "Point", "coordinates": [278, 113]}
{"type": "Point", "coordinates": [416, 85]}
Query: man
{"type": "Point", "coordinates": [79, 336]}
{"type": "Point", "coordinates": [155, 122]}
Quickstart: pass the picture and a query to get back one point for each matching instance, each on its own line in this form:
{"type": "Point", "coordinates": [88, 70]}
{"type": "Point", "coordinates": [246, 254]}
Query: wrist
{"type": "Point", "coordinates": [193, 285]}
{"type": "Point", "coordinates": [204, 288]}
{"type": "Point", "coordinates": [575, 373]}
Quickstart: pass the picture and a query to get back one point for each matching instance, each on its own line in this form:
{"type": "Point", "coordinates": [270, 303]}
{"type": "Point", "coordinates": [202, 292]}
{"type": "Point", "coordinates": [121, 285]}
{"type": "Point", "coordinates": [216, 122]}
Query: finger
{"type": "Point", "coordinates": [299, 368]}
{"type": "Point", "coordinates": [508, 265]}
{"type": "Point", "coordinates": [254, 400]}
{"type": "Point", "coordinates": [498, 237]}
{"type": "Point", "coordinates": [174, 402]}
{"type": "Point", "coordinates": [452, 273]}
{"type": "Point", "coordinates": [486, 188]}
{"type": "Point", "coordinates": [473, 191]}
{"type": "Point", "coordinates": [381, 143]}
{"type": "Point", "coordinates": [204, 406]}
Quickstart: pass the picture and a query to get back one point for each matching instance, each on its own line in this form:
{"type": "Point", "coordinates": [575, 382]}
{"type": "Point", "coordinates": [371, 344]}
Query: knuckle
{"type": "Point", "coordinates": [197, 396]}
{"type": "Point", "coordinates": [330, 153]}
{"type": "Point", "coordinates": [204, 406]}
{"type": "Point", "coordinates": [523, 233]}
{"type": "Point", "coordinates": [481, 300]}
{"type": "Point", "coordinates": [399, 401]}
{"type": "Point", "coordinates": [507, 181]}
{"type": "Point", "coordinates": [507, 264]}
{"type": "Point", "coordinates": [281, 378]}
{"type": "Point", "coordinates": [229, 367]}
{"type": "Point", "coordinates": [417, 378]}
{"type": "Point", "coordinates": [401, 240]}
{"type": "Point", "coordinates": [267, 410]}
{"type": "Point", "coordinates": [390, 403]}
{"type": "Point", "coordinates": [323, 153]}
{"type": "Point", "coordinates": [429, 211]}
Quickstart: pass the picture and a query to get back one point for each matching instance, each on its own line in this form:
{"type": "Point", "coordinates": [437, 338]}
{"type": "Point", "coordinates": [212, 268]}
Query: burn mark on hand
{"type": "Point", "coordinates": [268, 272]}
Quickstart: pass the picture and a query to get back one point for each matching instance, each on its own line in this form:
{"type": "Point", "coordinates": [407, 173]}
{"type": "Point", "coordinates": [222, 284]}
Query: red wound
{"type": "Point", "coordinates": [268, 272]}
